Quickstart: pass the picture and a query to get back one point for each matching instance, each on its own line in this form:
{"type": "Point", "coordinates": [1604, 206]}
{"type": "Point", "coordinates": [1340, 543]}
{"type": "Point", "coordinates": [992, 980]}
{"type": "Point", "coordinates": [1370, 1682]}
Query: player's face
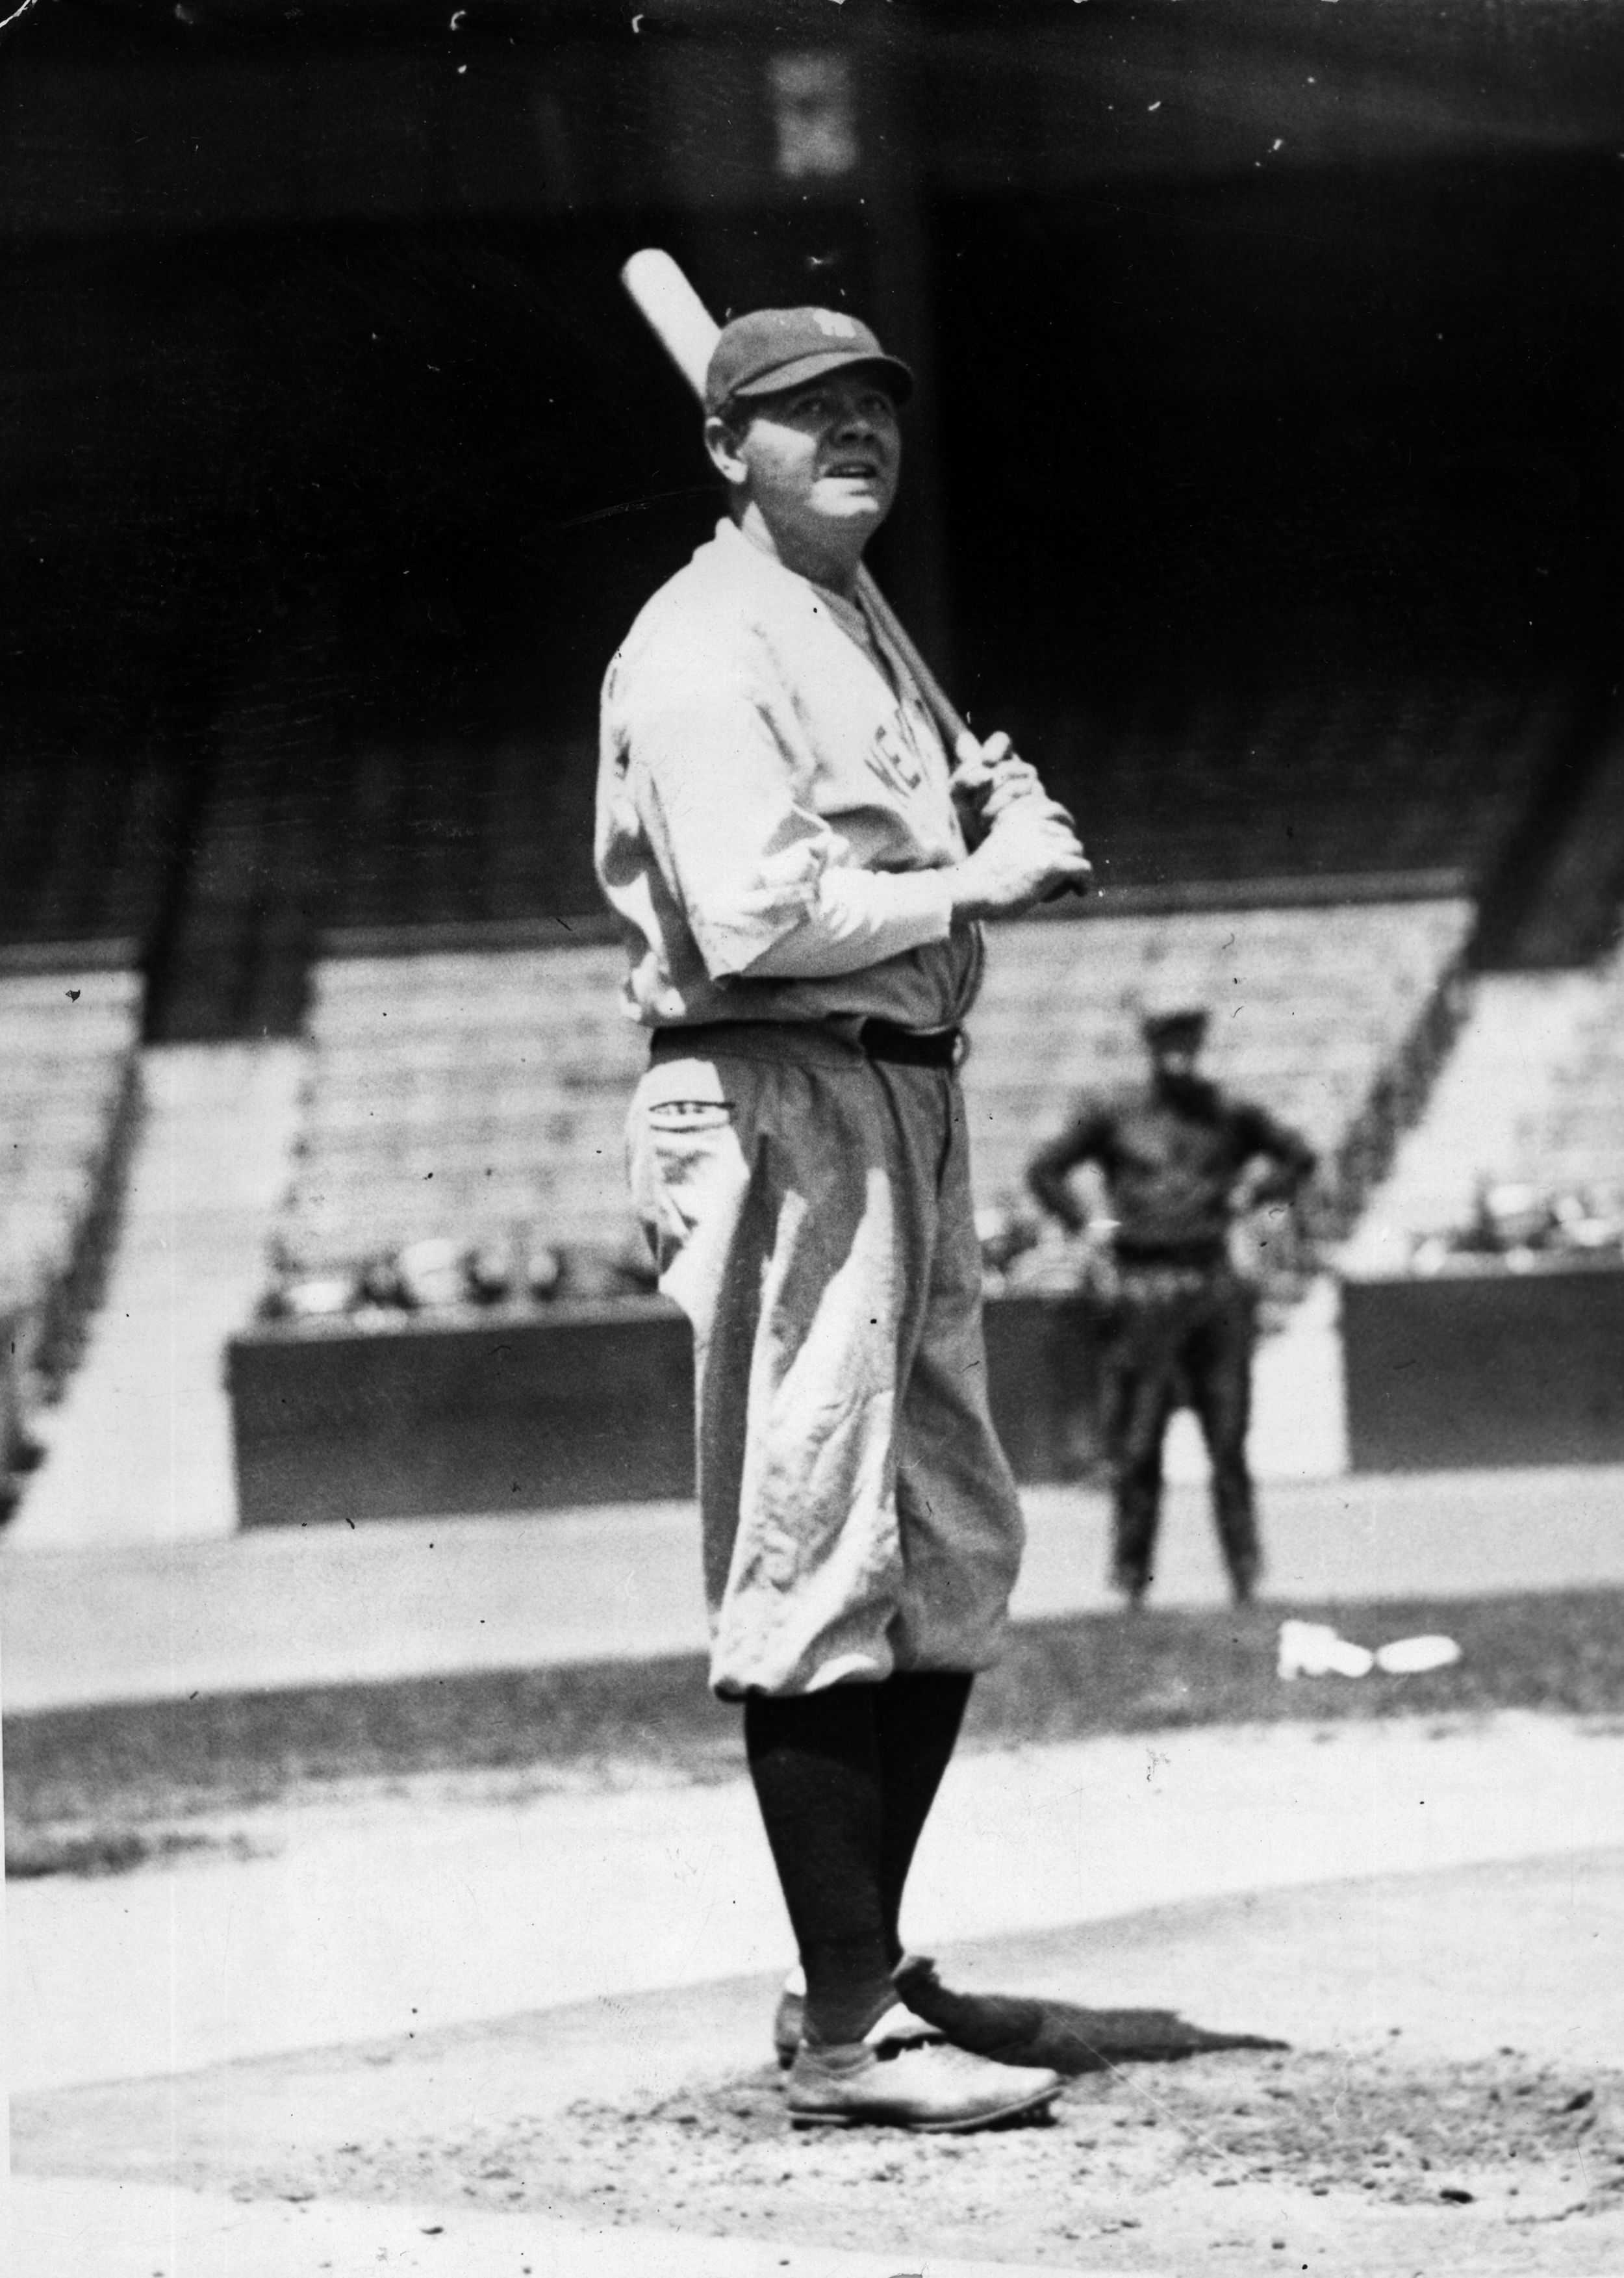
{"type": "Point", "coordinates": [1175, 1063]}
{"type": "Point", "coordinates": [819, 463]}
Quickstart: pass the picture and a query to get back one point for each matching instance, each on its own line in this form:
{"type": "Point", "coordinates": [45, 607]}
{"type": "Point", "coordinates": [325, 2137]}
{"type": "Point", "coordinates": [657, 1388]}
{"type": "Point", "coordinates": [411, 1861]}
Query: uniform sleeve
{"type": "Point", "coordinates": [765, 881]}
{"type": "Point", "coordinates": [857, 918]}
{"type": "Point", "coordinates": [1085, 1139]}
{"type": "Point", "coordinates": [1258, 1134]}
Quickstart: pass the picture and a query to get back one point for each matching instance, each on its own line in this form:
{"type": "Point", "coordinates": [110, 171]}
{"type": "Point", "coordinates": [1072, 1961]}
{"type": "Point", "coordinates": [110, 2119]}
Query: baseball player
{"type": "Point", "coordinates": [1180, 1162]}
{"type": "Point", "coordinates": [778, 833]}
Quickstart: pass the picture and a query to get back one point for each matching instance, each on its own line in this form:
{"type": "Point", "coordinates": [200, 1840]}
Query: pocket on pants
{"type": "Point", "coordinates": [680, 1119]}
{"type": "Point", "coordinates": [687, 1171]}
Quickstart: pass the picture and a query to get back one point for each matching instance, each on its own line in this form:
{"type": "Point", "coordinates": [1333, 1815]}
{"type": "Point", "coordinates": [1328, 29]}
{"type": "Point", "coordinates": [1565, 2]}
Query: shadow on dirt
{"type": "Point", "coordinates": [1018, 2030]}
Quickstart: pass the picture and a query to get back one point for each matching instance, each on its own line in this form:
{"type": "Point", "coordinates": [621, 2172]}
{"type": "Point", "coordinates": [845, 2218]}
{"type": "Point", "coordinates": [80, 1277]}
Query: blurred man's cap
{"type": "Point", "coordinates": [1179, 1027]}
{"type": "Point", "coordinates": [772, 350]}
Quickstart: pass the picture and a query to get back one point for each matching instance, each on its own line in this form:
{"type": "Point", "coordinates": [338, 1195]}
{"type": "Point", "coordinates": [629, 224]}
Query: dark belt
{"type": "Point", "coordinates": [1198, 1256]}
{"type": "Point", "coordinates": [883, 1040]}
{"type": "Point", "coordinates": [877, 1039]}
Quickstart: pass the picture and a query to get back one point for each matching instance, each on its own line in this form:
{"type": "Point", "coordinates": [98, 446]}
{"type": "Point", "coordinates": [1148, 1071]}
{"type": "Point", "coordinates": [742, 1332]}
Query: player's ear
{"type": "Point", "coordinates": [724, 431]}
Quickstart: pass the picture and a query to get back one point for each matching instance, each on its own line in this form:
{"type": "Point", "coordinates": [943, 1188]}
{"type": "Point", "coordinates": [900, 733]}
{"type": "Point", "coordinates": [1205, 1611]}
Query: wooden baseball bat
{"type": "Point", "coordinates": [687, 331]}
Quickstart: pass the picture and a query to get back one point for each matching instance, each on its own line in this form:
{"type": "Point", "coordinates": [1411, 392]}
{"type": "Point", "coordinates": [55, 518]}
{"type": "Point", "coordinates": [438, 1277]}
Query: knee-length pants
{"type": "Point", "coordinates": [810, 1209]}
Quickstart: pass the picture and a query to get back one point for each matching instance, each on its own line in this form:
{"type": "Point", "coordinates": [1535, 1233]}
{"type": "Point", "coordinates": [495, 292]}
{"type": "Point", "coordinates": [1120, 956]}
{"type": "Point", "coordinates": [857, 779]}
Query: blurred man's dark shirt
{"type": "Point", "coordinates": [1172, 1156]}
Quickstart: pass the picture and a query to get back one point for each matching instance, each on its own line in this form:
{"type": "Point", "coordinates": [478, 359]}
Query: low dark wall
{"type": "Point", "coordinates": [579, 1403]}
{"type": "Point", "coordinates": [1484, 1367]}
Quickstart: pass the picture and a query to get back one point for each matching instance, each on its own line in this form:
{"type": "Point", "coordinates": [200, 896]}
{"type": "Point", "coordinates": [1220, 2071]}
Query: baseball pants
{"type": "Point", "coordinates": [809, 1210]}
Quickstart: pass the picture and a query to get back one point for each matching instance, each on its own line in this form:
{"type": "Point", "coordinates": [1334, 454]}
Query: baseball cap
{"type": "Point", "coordinates": [771, 349]}
{"type": "Point", "coordinates": [1178, 1024]}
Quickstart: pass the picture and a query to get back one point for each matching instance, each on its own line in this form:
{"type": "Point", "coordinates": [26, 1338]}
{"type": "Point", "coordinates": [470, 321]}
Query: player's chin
{"type": "Point", "coordinates": [845, 501]}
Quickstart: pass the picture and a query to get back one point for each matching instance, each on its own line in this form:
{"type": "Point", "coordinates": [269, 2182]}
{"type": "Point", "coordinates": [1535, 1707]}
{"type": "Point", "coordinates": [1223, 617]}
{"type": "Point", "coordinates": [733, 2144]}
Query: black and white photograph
{"type": "Point", "coordinates": [811, 1138]}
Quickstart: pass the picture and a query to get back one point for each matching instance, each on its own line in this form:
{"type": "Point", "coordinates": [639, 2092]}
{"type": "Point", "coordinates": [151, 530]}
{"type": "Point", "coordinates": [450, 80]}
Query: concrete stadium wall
{"type": "Point", "coordinates": [584, 1404]}
{"type": "Point", "coordinates": [535, 1411]}
{"type": "Point", "coordinates": [1482, 1367]}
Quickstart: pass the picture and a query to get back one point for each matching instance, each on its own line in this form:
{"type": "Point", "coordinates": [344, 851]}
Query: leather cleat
{"type": "Point", "coordinates": [929, 2087]}
{"type": "Point", "coordinates": [895, 2023]}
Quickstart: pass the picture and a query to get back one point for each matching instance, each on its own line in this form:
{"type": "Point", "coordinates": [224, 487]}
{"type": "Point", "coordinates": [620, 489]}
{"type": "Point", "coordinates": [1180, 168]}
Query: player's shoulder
{"type": "Point", "coordinates": [688, 597]}
{"type": "Point", "coordinates": [702, 612]}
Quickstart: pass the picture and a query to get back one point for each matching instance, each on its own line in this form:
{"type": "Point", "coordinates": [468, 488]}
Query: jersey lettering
{"type": "Point", "coordinates": [893, 758]}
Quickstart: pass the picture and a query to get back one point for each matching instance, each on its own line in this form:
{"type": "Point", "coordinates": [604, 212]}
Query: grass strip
{"type": "Point", "coordinates": [114, 1769]}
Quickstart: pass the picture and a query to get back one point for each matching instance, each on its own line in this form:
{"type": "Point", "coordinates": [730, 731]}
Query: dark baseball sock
{"type": "Point", "coordinates": [814, 1759]}
{"type": "Point", "coordinates": [917, 1717]}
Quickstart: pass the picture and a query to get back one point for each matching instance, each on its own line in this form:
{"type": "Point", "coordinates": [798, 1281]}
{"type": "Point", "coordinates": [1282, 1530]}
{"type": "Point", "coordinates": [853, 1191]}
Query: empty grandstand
{"type": "Point", "coordinates": [1578, 1145]}
{"type": "Point", "coordinates": [1362, 777]}
{"type": "Point", "coordinates": [469, 1095]}
{"type": "Point", "coordinates": [70, 1024]}
{"type": "Point", "coordinates": [478, 1096]}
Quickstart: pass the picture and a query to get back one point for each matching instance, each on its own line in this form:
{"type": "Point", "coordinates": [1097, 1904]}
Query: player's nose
{"type": "Point", "coordinates": [855, 424]}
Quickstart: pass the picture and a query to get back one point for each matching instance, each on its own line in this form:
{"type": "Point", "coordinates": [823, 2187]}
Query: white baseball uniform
{"type": "Point", "coordinates": [775, 820]}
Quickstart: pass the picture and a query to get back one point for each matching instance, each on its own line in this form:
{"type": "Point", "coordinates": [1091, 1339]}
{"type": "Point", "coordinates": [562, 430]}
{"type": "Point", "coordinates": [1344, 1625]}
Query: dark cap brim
{"type": "Point", "coordinates": [799, 370]}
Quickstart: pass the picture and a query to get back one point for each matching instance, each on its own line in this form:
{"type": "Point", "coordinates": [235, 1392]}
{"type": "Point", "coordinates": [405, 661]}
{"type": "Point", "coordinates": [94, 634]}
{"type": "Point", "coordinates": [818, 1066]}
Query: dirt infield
{"type": "Point", "coordinates": [1499, 2165]}
{"type": "Point", "coordinates": [1302, 2159]}
{"type": "Point", "coordinates": [1399, 2135]}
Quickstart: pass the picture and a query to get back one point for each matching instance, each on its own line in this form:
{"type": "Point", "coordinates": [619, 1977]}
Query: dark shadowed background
{"type": "Point", "coordinates": [1269, 348]}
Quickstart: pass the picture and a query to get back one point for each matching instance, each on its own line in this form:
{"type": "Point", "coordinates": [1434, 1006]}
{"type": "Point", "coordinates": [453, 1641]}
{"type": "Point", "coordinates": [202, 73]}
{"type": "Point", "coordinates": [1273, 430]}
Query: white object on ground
{"type": "Point", "coordinates": [1314, 1649]}
{"type": "Point", "coordinates": [1412, 1656]}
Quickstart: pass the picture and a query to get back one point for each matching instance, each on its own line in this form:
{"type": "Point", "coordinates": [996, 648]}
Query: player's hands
{"type": "Point", "coordinates": [990, 774]}
{"type": "Point", "coordinates": [989, 779]}
{"type": "Point", "coordinates": [1030, 852]}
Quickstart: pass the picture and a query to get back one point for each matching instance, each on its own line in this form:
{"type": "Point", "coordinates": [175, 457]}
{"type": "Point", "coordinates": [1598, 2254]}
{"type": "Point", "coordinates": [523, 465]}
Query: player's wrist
{"type": "Point", "coordinates": [968, 902]}
{"type": "Point", "coordinates": [981, 886]}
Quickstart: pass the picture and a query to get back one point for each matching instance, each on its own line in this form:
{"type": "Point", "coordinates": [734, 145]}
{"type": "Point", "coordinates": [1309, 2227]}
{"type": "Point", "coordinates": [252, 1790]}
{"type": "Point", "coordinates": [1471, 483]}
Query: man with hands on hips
{"type": "Point", "coordinates": [784, 837]}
